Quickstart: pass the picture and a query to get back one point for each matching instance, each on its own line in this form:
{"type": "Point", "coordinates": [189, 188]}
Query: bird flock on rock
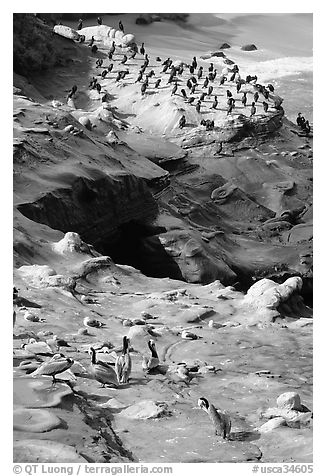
{"type": "Point", "coordinates": [199, 79]}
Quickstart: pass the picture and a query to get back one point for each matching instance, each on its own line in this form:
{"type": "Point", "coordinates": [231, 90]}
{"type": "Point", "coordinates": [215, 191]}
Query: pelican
{"type": "Point", "coordinates": [123, 362]}
{"type": "Point", "coordinates": [35, 347]}
{"type": "Point", "coordinates": [102, 371]}
{"type": "Point", "coordinates": [220, 419]}
{"type": "Point", "coordinates": [56, 365]}
{"type": "Point", "coordinates": [91, 322]}
{"type": "Point", "coordinates": [153, 361]}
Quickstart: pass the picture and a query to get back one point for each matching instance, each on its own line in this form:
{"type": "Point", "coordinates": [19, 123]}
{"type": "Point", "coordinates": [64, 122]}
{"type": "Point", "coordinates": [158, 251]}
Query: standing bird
{"type": "Point", "coordinates": [174, 90]}
{"type": "Point", "coordinates": [270, 87]}
{"type": "Point", "coordinates": [92, 41]}
{"type": "Point", "coordinates": [205, 83]}
{"type": "Point", "coordinates": [198, 107]}
{"type": "Point", "coordinates": [193, 79]}
{"type": "Point", "coordinates": [56, 365]}
{"type": "Point", "coordinates": [182, 121]}
{"type": "Point", "coordinates": [112, 48]}
{"type": "Point", "coordinates": [222, 80]}
{"type": "Point", "coordinates": [102, 371]}
{"type": "Point", "coordinates": [211, 68]}
{"type": "Point", "coordinates": [253, 109]}
{"type": "Point", "coordinates": [194, 62]}
{"type": "Point", "coordinates": [230, 107]}
{"type": "Point", "coordinates": [124, 59]}
{"type": "Point", "coordinates": [98, 87]}
{"type": "Point", "coordinates": [121, 26]}
{"type": "Point", "coordinates": [80, 24]}
{"type": "Point", "coordinates": [184, 94]}
{"type": "Point", "coordinates": [142, 49]}
{"type": "Point", "coordinates": [215, 103]}
{"type": "Point", "coordinates": [220, 419]}
{"type": "Point", "coordinates": [152, 362]}
{"type": "Point", "coordinates": [140, 77]}
{"type": "Point", "coordinates": [191, 69]}
{"type": "Point", "coordinates": [244, 99]}
{"type": "Point", "coordinates": [180, 70]}
{"type": "Point", "coordinates": [228, 93]}
{"type": "Point", "coordinates": [232, 76]}
{"type": "Point", "coordinates": [99, 62]}
{"type": "Point", "coordinates": [256, 96]}
{"type": "Point", "coordinates": [165, 67]}
{"type": "Point", "coordinates": [265, 106]}
{"type": "Point", "coordinates": [193, 89]}
{"type": "Point", "coordinates": [189, 84]}
{"type": "Point", "coordinates": [104, 73]}
{"type": "Point", "coordinates": [202, 97]}
{"type": "Point", "coordinates": [191, 100]}
{"type": "Point", "coordinates": [143, 88]}
{"type": "Point", "coordinates": [238, 87]}
{"type": "Point", "coordinates": [200, 72]}
{"type": "Point", "coordinates": [210, 90]}
{"type": "Point", "coordinates": [157, 83]}
{"type": "Point", "coordinates": [123, 362]}
{"type": "Point", "coordinates": [133, 54]}
{"type": "Point", "coordinates": [99, 20]}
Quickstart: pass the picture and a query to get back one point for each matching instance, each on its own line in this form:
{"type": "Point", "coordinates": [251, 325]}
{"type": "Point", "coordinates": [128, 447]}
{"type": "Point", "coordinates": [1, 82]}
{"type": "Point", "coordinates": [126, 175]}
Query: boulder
{"type": "Point", "coordinates": [66, 31]}
{"type": "Point", "coordinates": [289, 401]}
{"type": "Point", "coordinates": [218, 54]}
{"type": "Point", "coordinates": [271, 425]}
{"type": "Point", "coordinates": [45, 451]}
{"type": "Point", "coordinates": [250, 47]}
{"type": "Point", "coordinates": [35, 421]}
{"type": "Point", "coordinates": [145, 410]}
{"type": "Point", "coordinates": [224, 46]}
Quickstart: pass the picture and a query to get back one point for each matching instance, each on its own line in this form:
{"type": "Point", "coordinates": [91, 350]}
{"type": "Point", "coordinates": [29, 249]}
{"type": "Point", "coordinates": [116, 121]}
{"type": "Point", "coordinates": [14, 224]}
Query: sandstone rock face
{"type": "Point", "coordinates": [94, 208]}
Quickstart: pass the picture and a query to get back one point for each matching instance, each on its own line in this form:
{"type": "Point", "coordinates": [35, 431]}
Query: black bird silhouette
{"type": "Point", "coordinates": [157, 83]}
{"type": "Point", "coordinates": [124, 60]}
{"type": "Point", "coordinates": [214, 105]}
{"type": "Point", "coordinates": [184, 94]}
{"type": "Point", "coordinates": [191, 100]}
{"type": "Point", "coordinates": [205, 83]}
{"type": "Point", "coordinates": [174, 90]}
{"type": "Point", "coordinates": [142, 49]}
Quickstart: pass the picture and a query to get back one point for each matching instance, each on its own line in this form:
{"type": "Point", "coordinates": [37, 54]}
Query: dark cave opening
{"type": "Point", "coordinates": [139, 246]}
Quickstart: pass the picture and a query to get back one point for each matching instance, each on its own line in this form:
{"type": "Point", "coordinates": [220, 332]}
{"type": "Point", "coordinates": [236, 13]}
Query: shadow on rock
{"type": "Point", "coordinates": [244, 436]}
